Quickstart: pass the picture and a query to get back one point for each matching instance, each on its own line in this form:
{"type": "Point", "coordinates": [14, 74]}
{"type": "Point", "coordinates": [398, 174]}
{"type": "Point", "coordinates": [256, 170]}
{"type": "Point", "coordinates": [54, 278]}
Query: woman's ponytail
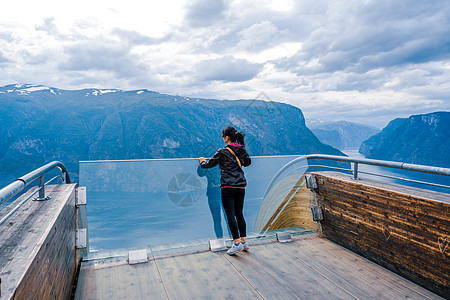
{"type": "Point", "coordinates": [240, 138]}
{"type": "Point", "coordinates": [234, 136]}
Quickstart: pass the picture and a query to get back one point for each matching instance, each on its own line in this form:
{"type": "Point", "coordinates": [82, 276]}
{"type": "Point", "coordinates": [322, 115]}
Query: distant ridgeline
{"type": "Point", "coordinates": [420, 139]}
{"type": "Point", "coordinates": [41, 124]}
{"type": "Point", "coordinates": [341, 135]}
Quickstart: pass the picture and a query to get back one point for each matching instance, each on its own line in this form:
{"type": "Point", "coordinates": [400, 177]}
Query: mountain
{"type": "Point", "coordinates": [341, 135]}
{"type": "Point", "coordinates": [419, 139]}
{"type": "Point", "coordinates": [40, 124]}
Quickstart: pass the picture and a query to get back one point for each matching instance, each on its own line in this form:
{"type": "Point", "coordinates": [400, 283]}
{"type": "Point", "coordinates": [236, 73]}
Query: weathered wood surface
{"type": "Point", "coordinates": [295, 210]}
{"type": "Point", "coordinates": [118, 280]}
{"type": "Point", "coordinates": [277, 274]}
{"type": "Point", "coordinates": [355, 274]}
{"type": "Point", "coordinates": [201, 276]}
{"type": "Point", "coordinates": [404, 229]}
{"type": "Point", "coordinates": [311, 267]}
{"type": "Point", "coordinates": [37, 247]}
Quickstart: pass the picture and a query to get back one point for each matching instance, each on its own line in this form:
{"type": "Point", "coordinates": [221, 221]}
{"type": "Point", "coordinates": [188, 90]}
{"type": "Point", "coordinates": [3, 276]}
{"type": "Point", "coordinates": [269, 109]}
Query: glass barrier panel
{"type": "Point", "coordinates": [281, 186]}
{"type": "Point", "coordinates": [151, 202]}
{"type": "Point", "coordinates": [292, 210]}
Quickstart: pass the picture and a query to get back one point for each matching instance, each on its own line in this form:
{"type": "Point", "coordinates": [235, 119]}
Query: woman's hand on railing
{"type": "Point", "coordinates": [202, 159]}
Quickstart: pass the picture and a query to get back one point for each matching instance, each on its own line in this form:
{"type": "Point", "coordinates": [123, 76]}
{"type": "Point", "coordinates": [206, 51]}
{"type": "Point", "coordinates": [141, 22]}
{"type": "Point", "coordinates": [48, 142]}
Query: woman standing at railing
{"type": "Point", "coordinates": [231, 159]}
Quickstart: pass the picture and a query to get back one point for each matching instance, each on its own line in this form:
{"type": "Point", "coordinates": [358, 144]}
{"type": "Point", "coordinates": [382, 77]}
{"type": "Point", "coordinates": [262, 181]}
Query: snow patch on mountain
{"type": "Point", "coordinates": [107, 91]}
{"type": "Point", "coordinates": [25, 89]}
{"type": "Point", "coordinates": [170, 143]}
{"type": "Point", "coordinates": [36, 88]}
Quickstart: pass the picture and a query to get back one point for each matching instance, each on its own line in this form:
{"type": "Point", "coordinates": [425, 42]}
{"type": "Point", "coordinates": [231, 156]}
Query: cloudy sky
{"type": "Point", "coordinates": [362, 61]}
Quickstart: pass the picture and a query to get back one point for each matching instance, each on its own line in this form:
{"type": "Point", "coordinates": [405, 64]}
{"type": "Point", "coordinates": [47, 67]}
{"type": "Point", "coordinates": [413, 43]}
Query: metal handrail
{"type": "Point", "coordinates": [380, 163]}
{"type": "Point", "coordinates": [408, 180]}
{"type": "Point", "coordinates": [381, 175]}
{"type": "Point", "coordinates": [366, 161]}
{"type": "Point", "coordinates": [19, 184]}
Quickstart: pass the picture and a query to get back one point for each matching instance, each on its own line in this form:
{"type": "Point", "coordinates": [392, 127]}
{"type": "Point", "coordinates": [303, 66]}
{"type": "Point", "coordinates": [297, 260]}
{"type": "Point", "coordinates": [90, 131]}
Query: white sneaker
{"type": "Point", "coordinates": [235, 249]}
{"type": "Point", "coordinates": [245, 245]}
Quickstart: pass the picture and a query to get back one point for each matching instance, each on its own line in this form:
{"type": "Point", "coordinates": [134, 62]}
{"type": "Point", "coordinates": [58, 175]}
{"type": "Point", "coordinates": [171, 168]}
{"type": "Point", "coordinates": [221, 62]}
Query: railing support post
{"type": "Point", "coordinates": [355, 170]}
{"type": "Point", "coordinates": [41, 187]}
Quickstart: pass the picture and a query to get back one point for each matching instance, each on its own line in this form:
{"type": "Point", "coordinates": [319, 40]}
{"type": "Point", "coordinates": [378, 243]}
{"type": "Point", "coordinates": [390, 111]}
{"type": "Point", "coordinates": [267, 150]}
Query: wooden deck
{"type": "Point", "coordinates": [403, 229]}
{"type": "Point", "coordinates": [37, 246]}
{"type": "Point", "coordinates": [311, 267]}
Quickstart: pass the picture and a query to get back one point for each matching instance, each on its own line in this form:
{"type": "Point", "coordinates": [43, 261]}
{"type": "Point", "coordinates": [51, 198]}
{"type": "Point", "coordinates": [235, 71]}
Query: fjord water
{"type": "Point", "coordinates": [137, 203]}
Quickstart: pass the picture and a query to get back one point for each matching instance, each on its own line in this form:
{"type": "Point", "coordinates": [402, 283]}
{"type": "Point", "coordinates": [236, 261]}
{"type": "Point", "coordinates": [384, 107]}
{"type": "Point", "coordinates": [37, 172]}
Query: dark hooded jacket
{"type": "Point", "coordinates": [231, 173]}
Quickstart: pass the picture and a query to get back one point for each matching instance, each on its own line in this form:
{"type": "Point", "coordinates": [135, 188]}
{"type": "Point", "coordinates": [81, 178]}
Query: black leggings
{"type": "Point", "coordinates": [233, 203]}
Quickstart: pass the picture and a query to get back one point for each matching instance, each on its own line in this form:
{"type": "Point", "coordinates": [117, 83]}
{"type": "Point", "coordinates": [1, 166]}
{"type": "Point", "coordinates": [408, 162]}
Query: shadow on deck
{"type": "Point", "coordinates": [312, 267]}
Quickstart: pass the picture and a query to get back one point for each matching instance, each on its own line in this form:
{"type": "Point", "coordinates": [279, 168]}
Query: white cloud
{"type": "Point", "coordinates": [281, 5]}
{"type": "Point", "coordinates": [367, 61]}
{"type": "Point", "coordinates": [202, 13]}
{"type": "Point", "coordinates": [257, 36]}
{"type": "Point", "coordinates": [226, 69]}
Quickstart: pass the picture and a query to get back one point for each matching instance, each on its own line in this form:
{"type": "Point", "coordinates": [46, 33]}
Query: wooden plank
{"type": "Point", "coordinates": [38, 247]}
{"type": "Point", "coordinates": [309, 268]}
{"type": "Point", "coordinates": [395, 207]}
{"type": "Point", "coordinates": [120, 281]}
{"type": "Point", "coordinates": [422, 236]}
{"type": "Point", "coordinates": [408, 211]}
{"type": "Point", "coordinates": [353, 273]}
{"type": "Point", "coordinates": [24, 245]}
{"type": "Point", "coordinates": [297, 213]}
{"type": "Point", "coordinates": [203, 276]}
{"type": "Point", "coordinates": [388, 236]}
{"type": "Point", "coordinates": [390, 224]}
{"type": "Point", "coordinates": [57, 255]}
{"type": "Point", "coordinates": [352, 262]}
{"type": "Point", "coordinates": [278, 275]}
{"type": "Point", "coordinates": [389, 253]}
{"type": "Point", "coordinates": [393, 187]}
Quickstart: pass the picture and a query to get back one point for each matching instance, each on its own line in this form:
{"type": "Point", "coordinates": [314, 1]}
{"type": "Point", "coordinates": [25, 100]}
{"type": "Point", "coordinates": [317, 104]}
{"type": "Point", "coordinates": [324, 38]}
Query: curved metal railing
{"type": "Point", "coordinates": [19, 184]}
{"type": "Point", "coordinates": [268, 211]}
{"type": "Point", "coordinates": [372, 162]}
{"type": "Point", "coordinates": [381, 163]}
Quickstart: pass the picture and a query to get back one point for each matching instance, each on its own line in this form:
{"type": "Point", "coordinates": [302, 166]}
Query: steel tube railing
{"type": "Point", "coordinates": [17, 206]}
{"type": "Point", "coordinates": [11, 190]}
{"type": "Point", "coordinates": [381, 175]}
{"type": "Point", "coordinates": [355, 170]}
{"type": "Point", "coordinates": [382, 163]}
{"type": "Point", "coordinates": [19, 184]}
{"type": "Point", "coordinates": [32, 176]}
{"type": "Point", "coordinates": [357, 161]}
{"type": "Point", "coordinates": [408, 180]}
{"type": "Point", "coordinates": [330, 167]}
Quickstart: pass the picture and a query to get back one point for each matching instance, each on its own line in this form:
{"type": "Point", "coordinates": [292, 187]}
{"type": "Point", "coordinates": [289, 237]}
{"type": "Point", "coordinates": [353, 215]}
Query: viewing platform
{"type": "Point", "coordinates": [311, 267]}
{"type": "Point", "coordinates": [354, 236]}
